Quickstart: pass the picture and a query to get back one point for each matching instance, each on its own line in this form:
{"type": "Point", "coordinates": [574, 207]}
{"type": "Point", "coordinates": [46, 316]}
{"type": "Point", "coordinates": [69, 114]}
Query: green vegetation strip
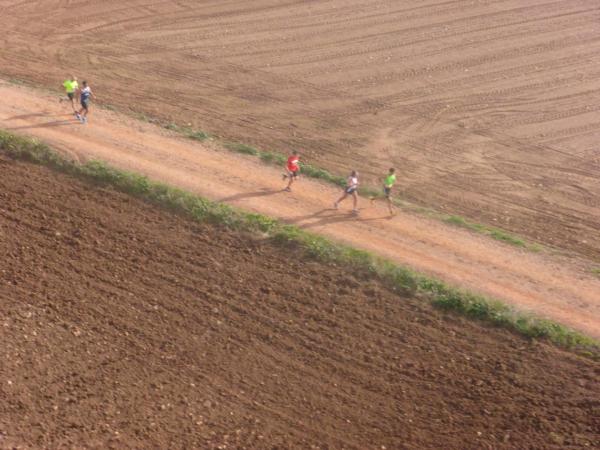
{"type": "Point", "coordinates": [280, 160]}
{"type": "Point", "coordinates": [397, 278]}
{"type": "Point", "coordinates": [494, 232]}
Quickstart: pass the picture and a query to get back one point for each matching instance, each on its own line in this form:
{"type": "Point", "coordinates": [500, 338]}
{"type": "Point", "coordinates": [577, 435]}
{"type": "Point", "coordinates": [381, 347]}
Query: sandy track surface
{"type": "Point", "coordinates": [123, 326]}
{"type": "Point", "coordinates": [544, 284]}
{"type": "Point", "coordinates": [488, 107]}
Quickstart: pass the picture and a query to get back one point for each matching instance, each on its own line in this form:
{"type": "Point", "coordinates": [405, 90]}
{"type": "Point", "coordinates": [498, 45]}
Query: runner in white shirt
{"type": "Point", "coordinates": [351, 189]}
{"type": "Point", "coordinates": [85, 95]}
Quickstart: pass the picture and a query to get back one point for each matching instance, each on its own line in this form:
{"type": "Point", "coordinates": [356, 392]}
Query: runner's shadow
{"type": "Point", "coordinates": [55, 123]}
{"type": "Point", "coordinates": [261, 193]}
{"type": "Point", "coordinates": [296, 220]}
{"type": "Point", "coordinates": [372, 219]}
{"type": "Point", "coordinates": [333, 216]}
{"type": "Point", "coordinates": [26, 116]}
{"type": "Point", "coordinates": [330, 219]}
{"type": "Point", "coordinates": [42, 114]}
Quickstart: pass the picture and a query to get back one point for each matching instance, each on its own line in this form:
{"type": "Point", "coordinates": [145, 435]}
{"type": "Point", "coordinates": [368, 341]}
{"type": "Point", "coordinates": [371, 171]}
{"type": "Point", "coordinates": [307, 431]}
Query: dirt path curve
{"type": "Point", "coordinates": [547, 285]}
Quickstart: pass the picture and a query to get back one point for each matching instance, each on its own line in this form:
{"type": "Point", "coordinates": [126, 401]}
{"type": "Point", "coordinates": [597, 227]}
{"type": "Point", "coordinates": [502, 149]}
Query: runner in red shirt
{"type": "Point", "coordinates": [292, 169]}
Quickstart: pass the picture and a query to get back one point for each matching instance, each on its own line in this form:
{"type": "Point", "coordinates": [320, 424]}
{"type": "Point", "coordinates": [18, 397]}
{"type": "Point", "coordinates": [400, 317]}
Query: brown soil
{"type": "Point", "coordinates": [550, 286]}
{"type": "Point", "coordinates": [488, 108]}
{"type": "Point", "coordinates": [126, 327]}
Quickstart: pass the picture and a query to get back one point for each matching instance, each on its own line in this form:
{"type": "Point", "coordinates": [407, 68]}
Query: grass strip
{"type": "Point", "coordinates": [189, 132]}
{"type": "Point", "coordinates": [279, 159]}
{"type": "Point", "coordinates": [493, 232]}
{"type": "Point", "coordinates": [399, 279]}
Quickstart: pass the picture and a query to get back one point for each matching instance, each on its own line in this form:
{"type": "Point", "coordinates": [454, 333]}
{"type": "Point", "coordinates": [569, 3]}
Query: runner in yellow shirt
{"type": "Point", "coordinates": [388, 184]}
{"type": "Point", "coordinates": [71, 86]}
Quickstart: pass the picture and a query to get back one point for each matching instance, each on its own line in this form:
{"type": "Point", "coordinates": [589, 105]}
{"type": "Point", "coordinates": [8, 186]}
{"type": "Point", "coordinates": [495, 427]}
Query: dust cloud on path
{"type": "Point", "coordinates": [546, 285]}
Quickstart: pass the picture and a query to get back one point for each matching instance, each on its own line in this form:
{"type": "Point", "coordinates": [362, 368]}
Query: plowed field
{"type": "Point", "coordinates": [126, 327]}
{"type": "Point", "coordinates": [488, 108]}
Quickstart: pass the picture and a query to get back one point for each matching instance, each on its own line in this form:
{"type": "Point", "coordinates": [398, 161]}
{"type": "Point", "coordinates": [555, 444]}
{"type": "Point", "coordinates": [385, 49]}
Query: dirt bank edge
{"type": "Point", "coordinates": [394, 276]}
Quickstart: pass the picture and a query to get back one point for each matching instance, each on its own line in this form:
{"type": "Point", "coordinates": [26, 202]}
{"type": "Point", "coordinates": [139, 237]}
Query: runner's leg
{"type": "Point", "coordinates": [291, 176]}
{"type": "Point", "coordinates": [344, 195]}
{"type": "Point", "coordinates": [86, 109]}
{"type": "Point", "coordinates": [390, 203]}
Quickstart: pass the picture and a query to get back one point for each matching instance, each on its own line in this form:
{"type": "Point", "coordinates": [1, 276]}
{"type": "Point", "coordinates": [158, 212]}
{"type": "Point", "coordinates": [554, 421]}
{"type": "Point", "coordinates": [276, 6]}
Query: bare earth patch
{"type": "Point", "coordinates": [126, 327]}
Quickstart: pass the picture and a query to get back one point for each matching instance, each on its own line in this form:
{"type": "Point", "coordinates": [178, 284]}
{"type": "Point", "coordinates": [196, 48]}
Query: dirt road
{"type": "Point", "coordinates": [491, 107]}
{"type": "Point", "coordinates": [547, 285]}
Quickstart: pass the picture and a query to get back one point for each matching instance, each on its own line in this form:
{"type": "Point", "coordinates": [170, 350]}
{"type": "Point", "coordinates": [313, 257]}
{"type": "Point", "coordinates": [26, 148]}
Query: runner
{"type": "Point", "coordinates": [71, 86]}
{"type": "Point", "coordinates": [292, 169]}
{"type": "Point", "coordinates": [351, 189]}
{"type": "Point", "coordinates": [388, 184]}
{"type": "Point", "coordinates": [84, 95]}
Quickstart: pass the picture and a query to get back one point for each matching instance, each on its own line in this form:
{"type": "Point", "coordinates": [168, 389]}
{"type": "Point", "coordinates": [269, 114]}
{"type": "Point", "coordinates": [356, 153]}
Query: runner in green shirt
{"type": "Point", "coordinates": [388, 184]}
{"type": "Point", "coordinates": [71, 86]}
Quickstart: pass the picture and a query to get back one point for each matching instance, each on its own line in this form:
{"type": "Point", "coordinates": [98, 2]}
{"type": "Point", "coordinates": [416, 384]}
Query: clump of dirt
{"type": "Point", "coordinates": [123, 326]}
